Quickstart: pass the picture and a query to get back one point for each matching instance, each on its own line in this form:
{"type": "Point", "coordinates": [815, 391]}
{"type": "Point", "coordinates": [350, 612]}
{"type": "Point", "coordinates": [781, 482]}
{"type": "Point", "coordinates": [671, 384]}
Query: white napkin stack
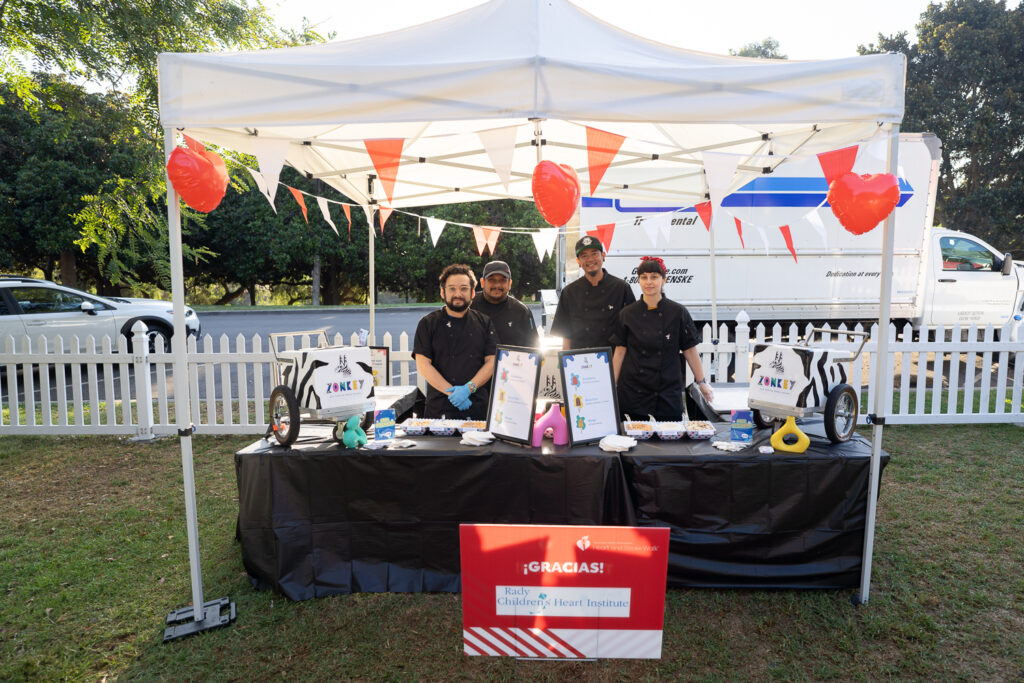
{"type": "Point", "coordinates": [476, 438]}
{"type": "Point", "coordinates": [731, 446]}
{"type": "Point", "coordinates": [617, 444]}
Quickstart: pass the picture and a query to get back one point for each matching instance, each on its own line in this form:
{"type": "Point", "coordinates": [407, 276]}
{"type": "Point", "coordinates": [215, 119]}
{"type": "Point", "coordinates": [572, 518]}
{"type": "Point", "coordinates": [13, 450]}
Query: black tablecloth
{"type": "Point", "coordinates": [319, 519]}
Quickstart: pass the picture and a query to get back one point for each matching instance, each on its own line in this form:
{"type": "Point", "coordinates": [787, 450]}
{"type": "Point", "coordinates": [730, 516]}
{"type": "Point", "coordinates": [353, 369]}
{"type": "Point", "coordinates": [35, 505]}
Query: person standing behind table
{"type": "Point", "coordinates": [648, 339]}
{"type": "Point", "coordinates": [454, 350]}
{"type": "Point", "coordinates": [589, 307]}
{"type": "Point", "coordinates": [513, 321]}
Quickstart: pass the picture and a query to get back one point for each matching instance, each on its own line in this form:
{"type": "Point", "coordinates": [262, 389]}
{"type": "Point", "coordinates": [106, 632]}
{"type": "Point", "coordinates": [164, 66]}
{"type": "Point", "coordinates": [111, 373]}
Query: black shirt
{"type": "Point", "coordinates": [513, 321]}
{"type": "Point", "coordinates": [651, 378]}
{"type": "Point", "coordinates": [457, 348]}
{"type": "Point", "coordinates": [587, 314]}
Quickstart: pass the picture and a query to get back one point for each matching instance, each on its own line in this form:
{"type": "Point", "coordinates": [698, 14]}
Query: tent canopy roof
{"type": "Point", "coordinates": [501, 64]}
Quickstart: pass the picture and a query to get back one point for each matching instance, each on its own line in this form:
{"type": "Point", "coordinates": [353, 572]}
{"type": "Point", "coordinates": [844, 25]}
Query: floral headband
{"type": "Point", "coordinates": [657, 261]}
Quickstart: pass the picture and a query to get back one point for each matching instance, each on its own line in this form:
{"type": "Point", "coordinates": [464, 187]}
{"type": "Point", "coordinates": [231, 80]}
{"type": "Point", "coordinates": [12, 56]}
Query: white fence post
{"type": "Point", "coordinates": [742, 371]}
{"type": "Point", "coordinates": [143, 388]}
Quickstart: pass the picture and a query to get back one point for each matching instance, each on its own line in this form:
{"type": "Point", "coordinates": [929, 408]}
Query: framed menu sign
{"type": "Point", "coordinates": [380, 361]}
{"type": "Point", "coordinates": [510, 413]}
{"type": "Point", "coordinates": [592, 409]}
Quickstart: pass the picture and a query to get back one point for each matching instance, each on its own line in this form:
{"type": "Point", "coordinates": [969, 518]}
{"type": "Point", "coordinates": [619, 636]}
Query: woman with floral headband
{"type": "Point", "coordinates": [649, 338]}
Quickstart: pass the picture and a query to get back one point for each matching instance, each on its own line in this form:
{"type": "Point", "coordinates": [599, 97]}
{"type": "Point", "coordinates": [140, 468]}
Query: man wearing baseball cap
{"type": "Point", "coordinates": [589, 307]}
{"type": "Point", "coordinates": [513, 321]}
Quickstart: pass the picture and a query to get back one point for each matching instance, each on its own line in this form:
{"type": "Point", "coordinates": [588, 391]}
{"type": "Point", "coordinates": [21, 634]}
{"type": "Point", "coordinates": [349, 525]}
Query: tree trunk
{"type": "Point", "coordinates": [68, 268]}
{"type": "Point", "coordinates": [229, 296]}
{"type": "Point", "coordinates": [316, 280]}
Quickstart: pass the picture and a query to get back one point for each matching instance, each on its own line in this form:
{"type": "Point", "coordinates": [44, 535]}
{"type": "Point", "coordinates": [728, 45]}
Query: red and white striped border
{"type": "Point", "coordinates": [561, 643]}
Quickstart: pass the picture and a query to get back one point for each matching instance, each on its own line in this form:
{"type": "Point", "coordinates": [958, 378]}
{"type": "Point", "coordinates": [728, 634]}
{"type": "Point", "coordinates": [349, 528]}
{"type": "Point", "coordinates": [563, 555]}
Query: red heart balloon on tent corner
{"type": "Point", "coordinates": [556, 192]}
{"type": "Point", "coordinates": [199, 176]}
{"type": "Point", "coordinates": [861, 202]}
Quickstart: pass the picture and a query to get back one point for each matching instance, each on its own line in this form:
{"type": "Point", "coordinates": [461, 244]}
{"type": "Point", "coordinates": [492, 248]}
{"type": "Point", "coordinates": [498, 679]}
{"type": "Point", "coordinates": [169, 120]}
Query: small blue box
{"type": "Point", "coordinates": [384, 424]}
{"type": "Point", "coordinates": [742, 426]}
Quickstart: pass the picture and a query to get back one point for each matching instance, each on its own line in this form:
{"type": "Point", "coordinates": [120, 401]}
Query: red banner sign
{"type": "Point", "coordinates": [563, 591]}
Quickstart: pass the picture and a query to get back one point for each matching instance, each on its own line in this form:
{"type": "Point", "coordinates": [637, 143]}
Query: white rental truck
{"type": "Point", "coordinates": [939, 276]}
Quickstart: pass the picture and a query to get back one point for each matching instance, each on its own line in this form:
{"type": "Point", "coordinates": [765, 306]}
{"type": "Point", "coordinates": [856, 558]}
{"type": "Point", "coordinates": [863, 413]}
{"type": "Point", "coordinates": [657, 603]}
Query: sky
{"type": "Point", "coordinates": [805, 30]}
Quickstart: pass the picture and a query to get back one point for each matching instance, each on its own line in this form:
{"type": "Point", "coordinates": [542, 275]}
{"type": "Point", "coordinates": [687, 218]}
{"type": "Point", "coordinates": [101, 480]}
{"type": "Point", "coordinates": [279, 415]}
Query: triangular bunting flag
{"type": "Point", "coordinates": [435, 226]}
{"type": "Point", "coordinates": [602, 147]}
{"type": "Point", "coordinates": [386, 155]}
{"type": "Point", "coordinates": [385, 214]}
{"type": "Point", "coordinates": [481, 239]}
{"type": "Point", "coordinates": [719, 170]}
{"type": "Point", "coordinates": [739, 231]}
{"type": "Point", "coordinates": [326, 211]}
{"type": "Point", "coordinates": [544, 241]}
{"type": "Point", "coordinates": [819, 227]}
{"type": "Point", "coordinates": [262, 185]}
{"type": "Point", "coordinates": [784, 229]}
{"type": "Point", "coordinates": [270, 153]}
{"type": "Point", "coordinates": [704, 211]}
{"type": "Point", "coordinates": [764, 238]}
{"type": "Point", "coordinates": [368, 209]}
{"type": "Point", "coordinates": [491, 234]}
{"type": "Point", "coordinates": [604, 233]}
{"type": "Point", "coordinates": [193, 144]}
{"type": "Point", "coordinates": [500, 145]}
{"type": "Point", "coordinates": [837, 162]}
{"type": "Point", "coordinates": [348, 214]}
{"type": "Point", "coordinates": [301, 202]}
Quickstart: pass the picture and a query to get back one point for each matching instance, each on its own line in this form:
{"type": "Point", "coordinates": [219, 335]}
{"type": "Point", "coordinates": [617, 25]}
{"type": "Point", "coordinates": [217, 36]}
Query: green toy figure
{"type": "Point", "coordinates": [354, 435]}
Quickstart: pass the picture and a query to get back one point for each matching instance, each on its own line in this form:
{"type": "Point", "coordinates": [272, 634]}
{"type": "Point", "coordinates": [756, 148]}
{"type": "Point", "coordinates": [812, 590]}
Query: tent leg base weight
{"type": "Point", "coordinates": [216, 614]}
{"type": "Point", "coordinates": [856, 601]}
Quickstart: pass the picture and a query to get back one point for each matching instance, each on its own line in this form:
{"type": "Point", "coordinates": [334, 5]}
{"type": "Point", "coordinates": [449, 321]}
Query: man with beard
{"type": "Point", "coordinates": [454, 350]}
{"type": "Point", "coordinates": [512, 320]}
{"type": "Point", "coordinates": [588, 309]}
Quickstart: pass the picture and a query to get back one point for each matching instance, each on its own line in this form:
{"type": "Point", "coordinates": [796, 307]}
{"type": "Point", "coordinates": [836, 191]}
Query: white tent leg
{"type": "Point", "coordinates": [188, 620]}
{"type": "Point", "coordinates": [881, 379]}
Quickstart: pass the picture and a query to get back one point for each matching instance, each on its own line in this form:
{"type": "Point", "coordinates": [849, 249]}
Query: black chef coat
{"type": "Point", "coordinates": [457, 348]}
{"type": "Point", "coordinates": [513, 321]}
{"type": "Point", "coordinates": [651, 378]}
{"type": "Point", "coordinates": [587, 314]}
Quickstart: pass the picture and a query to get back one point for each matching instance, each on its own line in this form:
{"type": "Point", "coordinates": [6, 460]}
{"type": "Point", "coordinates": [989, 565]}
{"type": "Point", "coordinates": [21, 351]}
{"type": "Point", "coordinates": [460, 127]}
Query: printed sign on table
{"type": "Point", "coordinates": [591, 404]}
{"type": "Point", "coordinates": [510, 414]}
{"type": "Point", "coordinates": [380, 361]}
{"type": "Point", "coordinates": [567, 592]}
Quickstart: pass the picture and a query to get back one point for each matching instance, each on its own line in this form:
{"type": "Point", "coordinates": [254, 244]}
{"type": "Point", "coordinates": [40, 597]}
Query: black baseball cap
{"type": "Point", "coordinates": [588, 242]}
{"type": "Point", "coordinates": [496, 268]}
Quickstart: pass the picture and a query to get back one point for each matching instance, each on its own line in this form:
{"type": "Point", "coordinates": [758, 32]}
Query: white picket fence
{"type": "Point", "coordinates": [967, 377]}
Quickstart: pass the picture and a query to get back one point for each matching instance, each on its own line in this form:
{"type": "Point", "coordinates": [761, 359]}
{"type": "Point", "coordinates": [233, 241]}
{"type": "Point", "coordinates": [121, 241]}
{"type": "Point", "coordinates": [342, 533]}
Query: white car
{"type": "Point", "coordinates": [37, 307]}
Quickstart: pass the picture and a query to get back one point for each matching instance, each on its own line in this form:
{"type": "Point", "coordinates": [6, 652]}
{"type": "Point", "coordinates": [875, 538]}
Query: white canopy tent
{"type": "Point", "coordinates": [536, 73]}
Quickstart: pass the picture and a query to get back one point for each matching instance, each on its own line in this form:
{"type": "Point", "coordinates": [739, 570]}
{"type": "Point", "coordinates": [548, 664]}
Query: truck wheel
{"type": "Point", "coordinates": [841, 412]}
{"type": "Point", "coordinates": [762, 422]}
{"type": "Point", "coordinates": [284, 415]}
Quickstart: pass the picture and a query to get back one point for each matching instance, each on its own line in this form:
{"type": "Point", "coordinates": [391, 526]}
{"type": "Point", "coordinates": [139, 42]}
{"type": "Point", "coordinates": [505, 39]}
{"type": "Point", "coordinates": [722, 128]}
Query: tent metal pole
{"type": "Point", "coordinates": [201, 616]}
{"type": "Point", "coordinates": [373, 280]}
{"type": "Point", "coordinates": [882, 380]}
{"type": "Point", "coordinates": [538, 137]}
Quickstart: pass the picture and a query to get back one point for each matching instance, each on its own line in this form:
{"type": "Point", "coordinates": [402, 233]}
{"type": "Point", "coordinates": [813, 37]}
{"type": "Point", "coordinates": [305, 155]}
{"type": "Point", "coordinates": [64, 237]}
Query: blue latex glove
{"type": "Point", "coordinates": [459, 396]}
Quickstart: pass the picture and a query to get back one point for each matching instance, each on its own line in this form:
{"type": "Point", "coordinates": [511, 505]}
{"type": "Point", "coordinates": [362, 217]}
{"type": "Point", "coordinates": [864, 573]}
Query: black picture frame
{"type": "Point", "coordinates": [576, 433]}
{"type": "Point", "coordinates": [503, 357]}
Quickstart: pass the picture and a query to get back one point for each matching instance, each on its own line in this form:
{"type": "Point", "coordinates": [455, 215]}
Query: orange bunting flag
{"type": "Point", "coordinates": [481, 239]}
{"type": "Point", "coordinates": [386, 155]}
{"type": "Point", "coordinates": [348, 215]}
{"type": "Point", "coordinates": [301, 202]}
{"type": "Point", "coordinates": [602, 147]}
{"type": "Point", "coordinates": [604, 233]}
{"type": "Point", "coordinates": [491, 234]}
{"type": "Point", "coordinates": [837, 162]}
{"type": "Point", "coordinates": [739, 231]}
{"type": "Point", "coordinates": [784, 229]}
{"type": "Point", "coordinates": [704, 211]}
{"type": "Point", "coordinates": [385, 214]}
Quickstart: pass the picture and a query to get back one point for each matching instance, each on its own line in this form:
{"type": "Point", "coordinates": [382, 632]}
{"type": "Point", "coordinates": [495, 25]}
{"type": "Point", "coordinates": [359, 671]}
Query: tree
{"type": "Point", "coordinates": [966, 85]}
{"type": "Point", "coordinates": [766, 49]}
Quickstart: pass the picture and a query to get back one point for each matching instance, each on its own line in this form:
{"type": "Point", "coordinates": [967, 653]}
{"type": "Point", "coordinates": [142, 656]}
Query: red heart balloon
{"type": "Point", "coordinates": [556, 192]}
{"type": "Point", "coordinates": [199, 176]}
{"type": "Point", "coordinates": [861, 202]}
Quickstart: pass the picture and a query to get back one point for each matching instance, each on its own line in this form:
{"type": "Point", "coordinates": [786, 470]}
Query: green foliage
{"type": "Point", "coordinates": [766, 49]}
{"type": "Point", "coordinates": [966, 85]}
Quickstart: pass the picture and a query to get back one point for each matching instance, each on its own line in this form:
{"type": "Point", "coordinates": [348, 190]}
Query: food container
{"type": "Point", "coordinates": [639, 430]}
{"type": "Point", "coordinates": [699, 429]}
{"type": "Point", "coordinates": [444, 427]}
{"type": "Point", "coordinates": [416, 426]}
{"type": "Point", "coordinates": [472, 426]}
{"type": "Point", "coordinates": [670, 431]}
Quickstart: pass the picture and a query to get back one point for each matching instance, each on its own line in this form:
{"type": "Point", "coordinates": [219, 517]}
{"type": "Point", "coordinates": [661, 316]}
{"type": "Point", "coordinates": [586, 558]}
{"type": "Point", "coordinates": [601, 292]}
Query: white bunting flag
{"type": "Point", "coordinates": [368, 210]}
{"type": "Point", "coordinates": [764, 238]}
{"type": "Point", "coordinates": [270, 153]}
{"type": "Point", "coordinates": [500, 145]}
{"type": "Point", "coordinates": [652, 226]}
{"type": "Point", "coordinates": [544, 241]}
{"type": "Point", "coordinates": [719, 169]}
{"type": "Point", "coordinates": [436, 227]}
{"type": "Point", "coordinates": [327, 214]}
{"type": "Point", "coordinates": [262, 185]}
{"type": "Point", "coordinates": [819, 227]}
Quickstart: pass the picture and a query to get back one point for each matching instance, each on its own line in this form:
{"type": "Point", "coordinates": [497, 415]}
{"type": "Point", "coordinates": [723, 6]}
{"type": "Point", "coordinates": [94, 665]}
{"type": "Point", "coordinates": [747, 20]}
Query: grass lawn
{"type": "Point", "coordinates": [93, 555]}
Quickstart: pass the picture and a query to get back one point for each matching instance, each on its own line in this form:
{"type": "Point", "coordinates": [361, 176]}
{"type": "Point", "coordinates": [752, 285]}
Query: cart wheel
{"type": "Point", "coordinates": [284, 415]}
{"type": "Point", "coordinates": [763, 422]}
{"type": "Point", "coordinates": [841, 412]}
{"type": "Point", "coordinates": [338, 432]}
